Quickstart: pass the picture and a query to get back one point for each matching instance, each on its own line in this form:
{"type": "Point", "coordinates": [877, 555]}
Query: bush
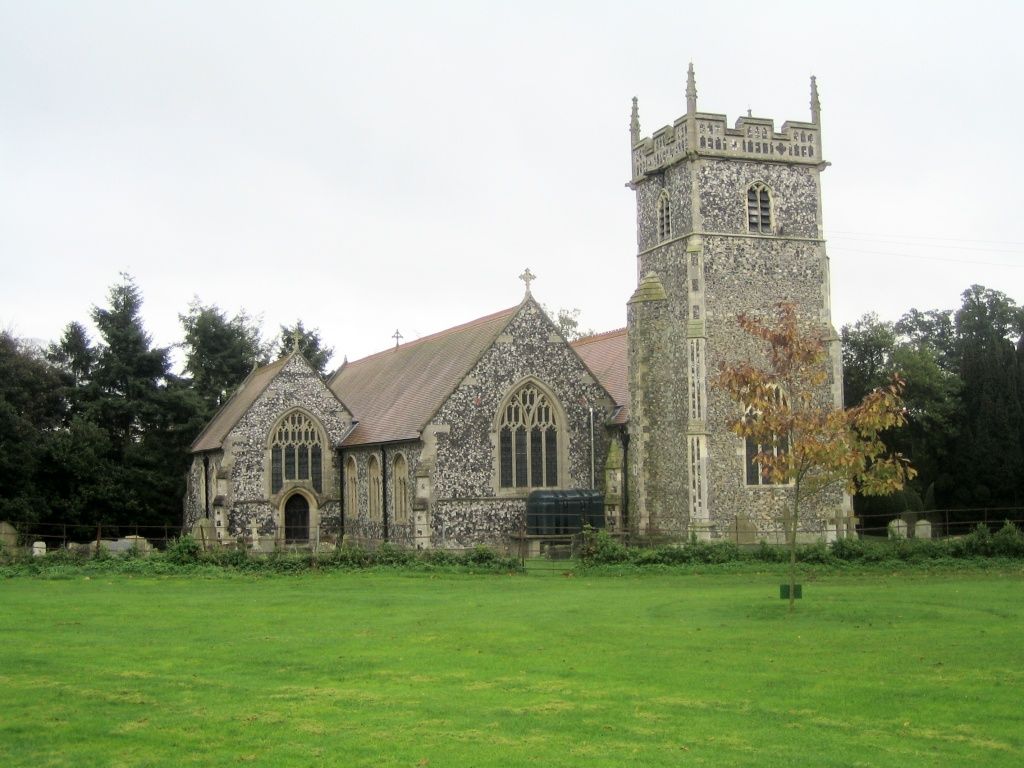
{"type": "Point", "coordinates": [388, 554]}
{"type": "Point", "coordinates": [766, 553]}
{"type": "Point", "coordinates": [1008, 541]}
{"type": "Point", "coordinates": [599, 548]}
{"type": "Point", "coordinates": [481, 555]}
{"type": "Point", "coordinates": [228, 557]}
{"type": "Point", "coordinates": [183, 551]}
{"type": "Point", "coordinates": [349, 557]}
{"type": "Point", "coordinates": [814, 553]}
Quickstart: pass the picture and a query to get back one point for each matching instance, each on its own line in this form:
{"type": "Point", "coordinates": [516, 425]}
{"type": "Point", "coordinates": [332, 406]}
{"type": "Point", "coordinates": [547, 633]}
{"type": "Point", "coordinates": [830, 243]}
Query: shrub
{"type": "Point", "coordinates": [439, 557]}
{"type": "Point", "coordinates": [228, 557]}
{"type": "Point", "coordinates": [480, 555]}
{"type": "Point", "coordinates": [850, 549]}
{"type": "Point", "coordinates": [349, 557]}
{"type": "Point", "coordinates": [183, 551]}
{"type": "Point", "coordinates": [389, 554]}
{"type": "Point", "coordinates": [599, 548]}
{"type": "Point", "coordinates": [814, 553]}
{"type": "Point", "coordinates": [767, 553]}
{"type": "Point", "coordinates": [1008, 541]}
{"type": "Point", "coordinates": [716, 552]}
{"type": "Point", "coordinates": [978, 542]}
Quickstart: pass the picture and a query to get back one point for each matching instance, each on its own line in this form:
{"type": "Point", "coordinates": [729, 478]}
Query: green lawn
{"type": "Point", "coordinates": [375, 669]}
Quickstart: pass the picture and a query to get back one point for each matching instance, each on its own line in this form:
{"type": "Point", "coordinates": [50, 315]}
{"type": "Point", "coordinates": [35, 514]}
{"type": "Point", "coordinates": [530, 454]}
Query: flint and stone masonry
{"type": "Point", "coordinates": [728, 222]}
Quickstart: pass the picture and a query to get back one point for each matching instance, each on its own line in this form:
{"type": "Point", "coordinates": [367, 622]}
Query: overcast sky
{"type": "Point", "coordinates": [373, 166]}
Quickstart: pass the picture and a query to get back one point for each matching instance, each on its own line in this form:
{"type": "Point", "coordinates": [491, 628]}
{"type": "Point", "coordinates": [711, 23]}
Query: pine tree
{"type": "Point", "coordinates": [219, 352]}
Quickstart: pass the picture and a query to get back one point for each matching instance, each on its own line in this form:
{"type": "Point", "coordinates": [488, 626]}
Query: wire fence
{"type": "Point", "coordinates": [536, 545]}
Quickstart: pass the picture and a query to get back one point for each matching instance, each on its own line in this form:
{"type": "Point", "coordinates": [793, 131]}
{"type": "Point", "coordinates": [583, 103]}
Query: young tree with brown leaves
{"type": "Point", "coordinates": [805, 440]}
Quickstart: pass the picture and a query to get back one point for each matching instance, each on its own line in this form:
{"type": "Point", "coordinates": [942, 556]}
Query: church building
{"type": "Point", "coordinates": [438, 442]}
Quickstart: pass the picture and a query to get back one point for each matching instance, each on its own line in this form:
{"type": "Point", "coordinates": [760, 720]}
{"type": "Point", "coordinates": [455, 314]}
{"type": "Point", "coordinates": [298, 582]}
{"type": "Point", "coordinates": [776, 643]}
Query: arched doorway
{"type": "Point", "coordinates": [296, 519]}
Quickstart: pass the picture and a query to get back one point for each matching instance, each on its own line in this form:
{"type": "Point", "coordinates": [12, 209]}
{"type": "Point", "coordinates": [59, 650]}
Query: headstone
{"type": "Point", "coordinates": [203, 532]}
{"type": "Point", "coordinates": [38, 548]}
{"type": "Point", "coordinates": [897, 529]}
{"type": "Point", "coordinates": [923, 529]}
{"type": "Point", "coordinates": [742, 532]}
{"type": "Point", "coordinates": [254, 533]}
{"type": "Point", "coordinates": [8, 536]}
{"type": "Point", "coordinates": [141, 545]}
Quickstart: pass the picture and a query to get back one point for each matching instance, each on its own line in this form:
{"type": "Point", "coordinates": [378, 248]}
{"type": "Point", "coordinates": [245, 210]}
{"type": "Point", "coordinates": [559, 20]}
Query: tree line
{"type": "Point", "coordinates": [964, 373]}
{"type": "Point", "coordinates": [97, 431]}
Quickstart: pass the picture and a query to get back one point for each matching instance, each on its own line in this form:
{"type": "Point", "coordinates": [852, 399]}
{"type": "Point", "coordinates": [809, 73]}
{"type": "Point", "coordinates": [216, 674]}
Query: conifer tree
{"type": "Point", "coordinates": [309, 343]}
{"type": "Point", "coordinates": [219, 352]}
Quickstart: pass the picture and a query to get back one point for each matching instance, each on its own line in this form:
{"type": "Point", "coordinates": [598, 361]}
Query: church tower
{"type": "Point", "coordinates": [728, 222]}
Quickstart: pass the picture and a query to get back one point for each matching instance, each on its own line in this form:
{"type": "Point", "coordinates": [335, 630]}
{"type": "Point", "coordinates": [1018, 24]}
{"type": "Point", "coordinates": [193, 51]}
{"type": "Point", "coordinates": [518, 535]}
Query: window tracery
{"type": "Point", "coordinates": [664, 217]}
{"type": "Point", "coordinates": [759, 209]}
{"type": "Point", "coordinates": [528, 441]}
{"type": "Point", "coordinates": [778, 446]}
{"type": "Point", "coordinates": [296, 452]}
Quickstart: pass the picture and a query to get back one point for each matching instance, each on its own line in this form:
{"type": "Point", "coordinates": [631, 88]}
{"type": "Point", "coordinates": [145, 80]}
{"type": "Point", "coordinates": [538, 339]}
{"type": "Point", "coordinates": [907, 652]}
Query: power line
{"type": "Point", "coordinates": [926, 237]}
{"type": "Point", "coordinates": [844, 249]}
{"type": "Point", "coordinates": [930, 245]}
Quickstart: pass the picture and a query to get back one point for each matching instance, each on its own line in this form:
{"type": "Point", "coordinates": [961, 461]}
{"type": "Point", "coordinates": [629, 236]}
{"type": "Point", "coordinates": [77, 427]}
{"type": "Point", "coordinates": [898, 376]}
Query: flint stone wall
{"type": "Point", "coordinates": [468, 507]}
{"type": "Point", "coordinates": [358, 524]}
{"type": "Point", "coordinates": [239, 475]}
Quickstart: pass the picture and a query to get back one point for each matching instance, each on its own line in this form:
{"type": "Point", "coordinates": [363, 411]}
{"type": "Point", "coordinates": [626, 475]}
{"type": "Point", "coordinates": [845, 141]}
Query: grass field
{"type": "Point", "coordinates": [378, 669]}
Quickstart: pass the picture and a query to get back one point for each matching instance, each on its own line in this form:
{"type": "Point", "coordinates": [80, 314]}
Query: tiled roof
{"type": "Point", "coordinates": [607, 356]}
{"type": "Point", "coordinates": [212, 438]}
{"type": "Point", "coordinates": [393, 394]}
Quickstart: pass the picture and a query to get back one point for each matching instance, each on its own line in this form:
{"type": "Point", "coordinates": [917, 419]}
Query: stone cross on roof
{"type": "Point", "coordinates": [296, 338]}
{"type": "Point", "coordinates": [527, 277]}
{"type": "Point", "coordinates": [397, 337]}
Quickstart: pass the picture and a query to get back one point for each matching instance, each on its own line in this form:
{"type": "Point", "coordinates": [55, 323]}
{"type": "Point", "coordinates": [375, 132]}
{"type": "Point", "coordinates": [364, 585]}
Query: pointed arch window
{"type": "Point", "coordinates": [778, 445]}
{"type": "Point", "coordinates": [374, 489]}
{"type": "Point", "coordinates": [759, 209]}
{"type": "Point", "coordinates": [296, 452]}
{"type": "Point", "coordinates": [351, 486]}
{"type": "Point", "coordinates": [400, 489]}
{"type": "Point", "coordinates": [664, 217]}
{"type": "Point", "coordinates": [528, 441]}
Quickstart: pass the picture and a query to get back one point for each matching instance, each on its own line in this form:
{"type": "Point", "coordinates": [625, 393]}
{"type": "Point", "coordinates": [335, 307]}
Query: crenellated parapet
{"type": "Point", "coordinates": [708, 134]}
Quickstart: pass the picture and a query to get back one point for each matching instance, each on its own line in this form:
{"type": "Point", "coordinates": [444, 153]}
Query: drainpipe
{"type": "Point", "coordinates": [593, 484]}
{"type": "Point", "coordinates": [384, 492]}
{"type": "Point", "coordinates": [341, 493]}
{"type": "Point", "coordinates": [625, 480]}
{"type": "Point", "coordinates": [206, 484]}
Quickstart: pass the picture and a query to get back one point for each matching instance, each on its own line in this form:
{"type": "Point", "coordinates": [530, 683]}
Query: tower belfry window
{"type": "Point", "coordinates": [759, 209]}
{"type": "Point", "coordinates": [664, 217]}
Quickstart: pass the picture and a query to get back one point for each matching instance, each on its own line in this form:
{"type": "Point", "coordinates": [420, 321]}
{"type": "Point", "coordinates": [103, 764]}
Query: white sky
{"type": "Point", "coordinates": [373, 166]}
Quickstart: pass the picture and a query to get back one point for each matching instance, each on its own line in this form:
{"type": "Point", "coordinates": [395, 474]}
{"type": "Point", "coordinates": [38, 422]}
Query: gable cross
{"type": "Point", "coordinates": [397, 337]}
{"type": "Point", "coordinates": [296, 338]}
{"type": "Point", "coordinates": [527, 277]}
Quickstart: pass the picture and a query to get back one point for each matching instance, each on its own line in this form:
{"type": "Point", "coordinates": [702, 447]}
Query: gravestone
{"type": "Point", "coordinates": [139, 543]}
{"type": "Point", "coordinates": [38, 548]}
{"type": "Point", "coordinates": [743, 532]}
{"type": "Point", "coordinates": [8, 535]}
{"type": "Point", "coordinates": [897, 529]}
{"type": "Point", "coordinates": [922, 529]}
{"type": "Point", "coordinates": [203, 533]}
